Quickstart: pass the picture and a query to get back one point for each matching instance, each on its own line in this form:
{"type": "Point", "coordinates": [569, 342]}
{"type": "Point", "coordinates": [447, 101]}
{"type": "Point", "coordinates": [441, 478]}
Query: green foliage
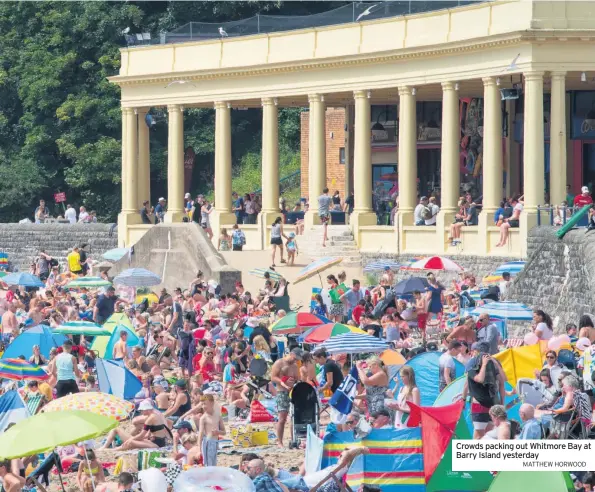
{"type": "Point", "coordinates": [60, 119]}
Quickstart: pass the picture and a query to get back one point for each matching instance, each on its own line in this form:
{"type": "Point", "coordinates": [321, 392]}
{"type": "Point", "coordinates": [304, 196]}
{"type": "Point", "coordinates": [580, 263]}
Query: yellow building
{"type": "Point", "coordinates": [475, 51]}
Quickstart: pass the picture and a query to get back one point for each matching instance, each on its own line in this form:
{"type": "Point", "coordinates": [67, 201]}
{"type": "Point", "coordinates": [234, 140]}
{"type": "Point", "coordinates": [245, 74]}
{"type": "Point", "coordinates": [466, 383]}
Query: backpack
{"type": "Point", "coordinates": [426, 213]}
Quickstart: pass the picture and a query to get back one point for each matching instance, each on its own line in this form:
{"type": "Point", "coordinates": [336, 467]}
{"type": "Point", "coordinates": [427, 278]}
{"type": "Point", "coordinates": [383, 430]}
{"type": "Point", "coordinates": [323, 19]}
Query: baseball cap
{"type": "Point", "coordinates": [423, 198]}
{"type": "Point", "coordinates": [145, 405]}
{"type": "Point", "coordinates": [187, 195]}
{"type": "Point", "coordinates": [298, 352]}
{"type": "Point", "coordinates": [180, 383]}
{"type": "Point", "coordinates": [162, 199]}
{"type": "Point", "coordinates": [183, 424]}
{"type": "Point", "coordinates": [585, 189]}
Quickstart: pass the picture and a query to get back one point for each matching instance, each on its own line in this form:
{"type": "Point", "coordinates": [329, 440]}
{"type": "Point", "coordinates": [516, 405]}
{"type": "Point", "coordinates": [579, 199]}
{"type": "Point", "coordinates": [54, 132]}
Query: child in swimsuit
{"type": "Point", "coordinates": [292, 248]}
{"type": "Point", "coordinates": [88, 468]}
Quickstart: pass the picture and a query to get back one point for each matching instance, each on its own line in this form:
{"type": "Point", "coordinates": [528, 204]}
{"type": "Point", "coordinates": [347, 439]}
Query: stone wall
{"type": "Point", "coordinates": [22, 242]}
{"type": "Point", "coordinates": [176, 252]}
{"type": "Point", "coordinates": [559, 276]}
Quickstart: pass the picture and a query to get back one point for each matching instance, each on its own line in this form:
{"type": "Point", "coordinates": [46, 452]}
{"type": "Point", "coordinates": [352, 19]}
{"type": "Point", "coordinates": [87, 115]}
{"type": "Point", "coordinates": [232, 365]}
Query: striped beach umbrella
{"type": "Point", "coordinates": [316, 267]}
{"type": "Point", "coordinates": [137, 277]}
{"type": "Point", "coordinates": [354, 343]}
{"type": "Point", "coordinates": [259, 272]}
{"type": "Point", "coordinates": [513, 311]}
{"type": "Point", "coordinates": [319, 334]}
{"type": "Point", "coordinates": [81, 328]}
{"type": "Point", "coordinates": [19, 370]}
{"type": "Point", "coordinates": [381, 265]}
{"type": "Point", "coordinates": [436, 263]}
{"type": "Point", "coordinates": [512, 267]}
{"type": "Point", "coordinates": [88, 283]}
{"type": "Point", "coordinates": [294, 322]}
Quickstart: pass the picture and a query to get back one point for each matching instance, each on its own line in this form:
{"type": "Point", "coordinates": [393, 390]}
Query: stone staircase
{"type": "Point", "coordinates": [22, 242]}
{"type": "Point", "coordinates": [340, 243]}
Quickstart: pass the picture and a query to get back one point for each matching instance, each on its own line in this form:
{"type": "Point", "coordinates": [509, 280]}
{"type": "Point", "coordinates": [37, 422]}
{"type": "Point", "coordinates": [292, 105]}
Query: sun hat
{"type": "Point", "coordinates": [145, 405]}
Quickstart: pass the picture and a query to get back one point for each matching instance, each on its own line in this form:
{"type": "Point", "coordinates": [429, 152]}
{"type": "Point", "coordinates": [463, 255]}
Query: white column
{"type": "Point", "coordinates": [558, 139]}
{"type": "Point", "coordinates": [144, 166]}
{"type": "Point", "coordinates": [492, 147]}
{"type": "Point", "coordinates": [222, 215]}
{"type": "Point", "coordinates": [317, 155]}
{"type": "Point", "coordinates": [407, 165]}
{"type": "Point", "coordinates": [363, 214]}
{"type": "Point", "coordinates": [450, 174]}
{"type": "Point", "coordinates": [270, 156]}
{"type": "Point", "coordinates": [130, 199]}
{"type": "Point", "coordinates": [175, 164]}
{"type": "Point", "coordinates": [533, 155]}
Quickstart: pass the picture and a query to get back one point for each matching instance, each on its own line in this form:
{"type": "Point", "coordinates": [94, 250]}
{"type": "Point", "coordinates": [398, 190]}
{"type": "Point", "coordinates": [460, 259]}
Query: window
{"type": "Point", "coordinates": [342, 155]}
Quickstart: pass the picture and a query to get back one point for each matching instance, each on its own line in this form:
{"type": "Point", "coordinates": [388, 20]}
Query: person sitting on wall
{"type": "Point", "coordinates": [513, 221]}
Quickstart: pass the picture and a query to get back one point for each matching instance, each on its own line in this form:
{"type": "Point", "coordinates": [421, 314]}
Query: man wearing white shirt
{"type": "Point", "coordinates": [83, 215]}
{"type": "Point", "coordinates": [504, 284]}
{"type": "Point", "coordinates": [70, 214]}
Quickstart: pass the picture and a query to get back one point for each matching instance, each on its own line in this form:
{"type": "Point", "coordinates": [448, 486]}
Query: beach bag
{"type": "Point", "coordinates": [260, 437]}
{"type": "Point", "coordinates": [147, 459]}
{"type": "Point", "coordinates": [241, 436]}
{"type": "Point", "coordinates": [258, 413]}
{"type": "Point", "coordinates": [126, 463]}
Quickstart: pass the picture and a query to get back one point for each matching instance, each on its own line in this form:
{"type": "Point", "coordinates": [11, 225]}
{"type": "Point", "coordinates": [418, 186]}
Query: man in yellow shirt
{"type": "Point", "coordinates": [74, 261]}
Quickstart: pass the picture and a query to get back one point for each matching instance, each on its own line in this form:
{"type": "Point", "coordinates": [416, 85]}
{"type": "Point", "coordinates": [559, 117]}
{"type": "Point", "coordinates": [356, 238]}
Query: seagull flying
{"type": "Point", "coordinates": [126, 31]}
{"type": "Point", "coordinates": [368, 11]}
{"type": "Point", "coordinates": [513, 65]}
{"type": "Point", "coordinates": [222, 32]}
{"type": "Point", "coordinates": [179, 82]}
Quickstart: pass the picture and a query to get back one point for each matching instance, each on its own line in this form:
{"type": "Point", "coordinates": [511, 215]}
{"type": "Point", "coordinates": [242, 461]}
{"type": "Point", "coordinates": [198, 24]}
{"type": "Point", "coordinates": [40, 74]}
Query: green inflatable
{"type": "Point", "coordinates": [541, 481]}
{"type": "Point", "coordinates": [572, 221]}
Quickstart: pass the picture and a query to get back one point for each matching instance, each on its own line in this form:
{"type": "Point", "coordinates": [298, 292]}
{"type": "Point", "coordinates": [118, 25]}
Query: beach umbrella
{"type": "Point", "coordinates": [88, 283]}
{"type": "Point", "coordinates": [137, 277]}
{"type": "Point", "coordinates": [354, 343]}
{"type": "Point", "coordinates": [82, 328]}
{"type": "Point", "coordinates": [259, 272]}
{"type": "Point", "coordinates": [19, 370]}
{"type": "Point", "coordinates": [46, 431]}
{"type": "Point", "coordinates": [321, 333]}
{"type": "Point", "coordinates": [513, 311]}
{"type": "Point", "coordinates": [41, 335]}
{"type": "Point", "coordinates": [23, 280]}
{"type": "Point", "coordinates": [512, 267]}
{"type": "Point", "coordinates": [316, 267]}
{"type": "Point", "coordinates": [381, 265]}
{"type": "Point", "coordinates": [95, 402]}
{"type": "Point", "coordinates": [294, 322]}
{"type": "Point", "coordinates": [115, 254]}
{"type": "Point", "coordinates": [436, 263]}
{"type": "Point", "coordinates": [406, 264]}
{"type": "Point", "coordinates": [392, 357]}
{"type": "Point", "coordinates": [505, 481]}
{"type": "Point", "coordinates": [491, 279]}
{"type": "Point", "coordinates": [409, 285]}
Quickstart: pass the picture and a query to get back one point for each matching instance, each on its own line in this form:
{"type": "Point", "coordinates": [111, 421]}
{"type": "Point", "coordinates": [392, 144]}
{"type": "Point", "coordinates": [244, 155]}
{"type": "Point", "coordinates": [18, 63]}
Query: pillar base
{"type": "Point", "coordinates": [403, 219]}
{"type": "Point", "coordinates": [359, 218]}
{"type": "Point", "coordinates": [219, 220]}
{"type": "Point", "coordinates": [174, 216]}
{"type": "Point", "coordinates": [444, 219]}
{"type": "Point", "coordinates": [126, 219]}
{"type": "Point", "coordinates": [528, 221]}
{"type": "Point", "coordinates": [311, 218]}
{"type": "Point", "coordinates": [484, 220]}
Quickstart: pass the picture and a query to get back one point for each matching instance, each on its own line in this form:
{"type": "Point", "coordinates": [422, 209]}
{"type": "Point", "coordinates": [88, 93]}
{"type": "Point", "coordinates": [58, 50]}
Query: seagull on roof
{"type": "Point", "coordinates": [222, 32]}
{"type": "Point", "coordinates": [513, 65]}
{"type": "Point", "coordinates": [179, 82]}
{"type": "Point", "coordinates": [368, 11]}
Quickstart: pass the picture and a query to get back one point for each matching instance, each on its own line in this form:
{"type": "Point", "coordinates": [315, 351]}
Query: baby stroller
{"type": "Point", "coordinates": [305, 408]}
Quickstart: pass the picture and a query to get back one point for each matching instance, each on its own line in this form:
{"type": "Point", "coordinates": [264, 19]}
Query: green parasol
{"type": "Point", "coordinates": [526, 480]}
{"type": "Point", "coordinates": [46, 431]}
{"type": "Point", "coordinates": [88, 282]}
{"type": "Point", "coordinates": [82, 328]}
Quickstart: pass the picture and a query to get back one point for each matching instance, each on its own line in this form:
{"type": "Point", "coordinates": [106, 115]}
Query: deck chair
{"type": "Point", "coordinates": [344, 462]}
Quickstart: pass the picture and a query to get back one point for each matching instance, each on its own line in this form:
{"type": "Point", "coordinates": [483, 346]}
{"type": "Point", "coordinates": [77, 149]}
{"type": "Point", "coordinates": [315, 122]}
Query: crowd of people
{"type": "Point", "coordinates": [197, 345]}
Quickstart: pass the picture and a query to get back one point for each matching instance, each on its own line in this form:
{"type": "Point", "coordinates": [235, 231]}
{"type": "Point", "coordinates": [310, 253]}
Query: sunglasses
{"type": "Point", "coordinates": [550, 357]}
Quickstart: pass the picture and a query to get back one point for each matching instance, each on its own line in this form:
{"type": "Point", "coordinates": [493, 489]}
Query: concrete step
{"type": "Point", "coordinates": [347, 249]}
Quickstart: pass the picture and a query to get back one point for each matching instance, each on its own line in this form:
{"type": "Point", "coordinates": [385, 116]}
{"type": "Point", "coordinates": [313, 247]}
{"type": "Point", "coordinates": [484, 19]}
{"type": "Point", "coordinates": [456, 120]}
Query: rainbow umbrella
{"type": "Point", "coordinates": [294, 322]}
{"type": "Point", "coordinates": [19, 370]}
{"type": "Point", "coordinates": [319, 334]}
{"type": "Point", "coordinates": [94, 402]}
{"type": "Point", "coordinates": [491, 279]}
{"type": "Point", "coordinates": [316, 267]}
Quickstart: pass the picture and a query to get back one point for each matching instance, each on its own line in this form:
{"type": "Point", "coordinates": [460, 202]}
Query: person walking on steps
{"type": "Point", "coordinates": [277, 236]}
{"type": "Point", "coordinates": [324, 212]}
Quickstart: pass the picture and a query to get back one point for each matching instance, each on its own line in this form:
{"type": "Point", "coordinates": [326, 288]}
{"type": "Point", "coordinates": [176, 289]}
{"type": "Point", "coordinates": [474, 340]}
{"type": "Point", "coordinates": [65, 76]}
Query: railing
{"type": "Point", "coordinates": [561, 212]}
{"type": "Point", "coordinates": [258, 24]}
